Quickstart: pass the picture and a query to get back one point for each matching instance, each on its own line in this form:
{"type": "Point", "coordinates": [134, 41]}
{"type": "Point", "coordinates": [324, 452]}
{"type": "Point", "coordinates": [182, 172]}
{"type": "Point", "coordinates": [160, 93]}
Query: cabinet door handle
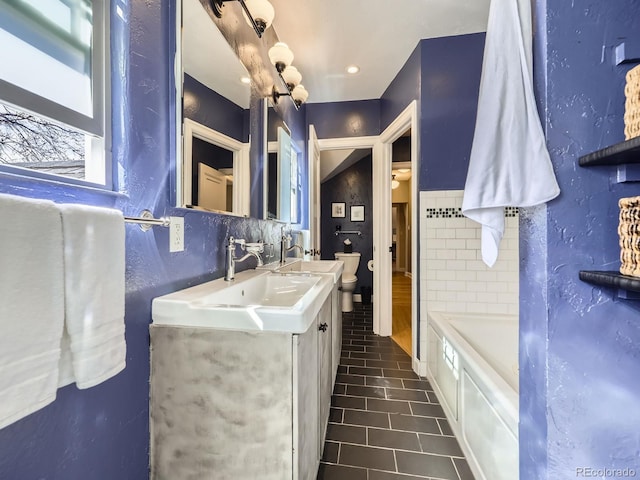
{"type": "Point", "coordinates": [323, 327]}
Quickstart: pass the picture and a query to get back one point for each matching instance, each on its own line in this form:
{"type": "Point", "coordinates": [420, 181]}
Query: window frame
{"type": "Point", "coordinates": [98, 126]}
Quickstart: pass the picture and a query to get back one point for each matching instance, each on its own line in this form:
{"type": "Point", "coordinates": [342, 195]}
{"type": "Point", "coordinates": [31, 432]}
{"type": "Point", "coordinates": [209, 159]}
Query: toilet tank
{"type": "Point", "coordinates": [351, 261]}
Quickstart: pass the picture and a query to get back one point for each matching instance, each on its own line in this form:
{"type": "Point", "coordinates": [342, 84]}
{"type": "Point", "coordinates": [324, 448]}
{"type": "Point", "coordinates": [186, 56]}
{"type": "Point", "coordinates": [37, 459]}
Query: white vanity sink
{"type": "Point", "coordinates": [255, 300]}
{"type": "Point", "coordinates": [332, 267]}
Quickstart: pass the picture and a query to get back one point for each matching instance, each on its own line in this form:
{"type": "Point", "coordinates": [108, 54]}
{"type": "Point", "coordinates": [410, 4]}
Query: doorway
{"type": "Point", "coordinates": [405, 125]}
{"type": "Point", "coordinates": [346, 215]}
{"type": "Point", "coordinates": [401, 206]}
{"type": "Point", "coordinates": [381, 211]}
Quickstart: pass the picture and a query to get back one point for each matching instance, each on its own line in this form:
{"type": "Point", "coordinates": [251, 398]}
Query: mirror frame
{"type": "Point", "coordinates": [241, 167]}
{"type": "Point", "coordinates": [186, 129]}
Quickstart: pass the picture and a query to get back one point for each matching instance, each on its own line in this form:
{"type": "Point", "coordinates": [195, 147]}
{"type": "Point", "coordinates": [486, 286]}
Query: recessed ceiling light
{"type": "Point", "coordinates": [245, 80]}
{"type": "Point", "coordinates": [353, 69]}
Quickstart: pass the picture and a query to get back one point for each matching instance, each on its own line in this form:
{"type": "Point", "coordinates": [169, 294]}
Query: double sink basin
{"type": "Point", "coordinates": [279, 298]}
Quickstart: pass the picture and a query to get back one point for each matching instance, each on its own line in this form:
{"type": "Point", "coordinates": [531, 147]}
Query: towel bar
{"type": "Point", "coordinates": [356, 232]}
{"type": "Point", "coordinates": [146, 220]}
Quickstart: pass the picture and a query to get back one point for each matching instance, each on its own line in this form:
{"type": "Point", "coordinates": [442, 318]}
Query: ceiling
{"type": "Point", "coordinates": [377, 35]}
{"type": "Point", "coordinates": [328, 35]}
{"type": "Point", "coordinates": [207, 56]}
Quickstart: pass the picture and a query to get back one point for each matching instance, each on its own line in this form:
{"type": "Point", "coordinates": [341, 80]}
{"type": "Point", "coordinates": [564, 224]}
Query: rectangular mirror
{"type": "Point", "coordinates": [282, 178]}
{"type": "Point", "coordinates": [215, 118]}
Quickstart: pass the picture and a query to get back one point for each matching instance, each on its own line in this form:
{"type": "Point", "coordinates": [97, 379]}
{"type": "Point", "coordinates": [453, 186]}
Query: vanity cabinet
{"type": "Point", "coordinates": [237, 404]}
{"type": "Point", "coordinates": [325, 384]}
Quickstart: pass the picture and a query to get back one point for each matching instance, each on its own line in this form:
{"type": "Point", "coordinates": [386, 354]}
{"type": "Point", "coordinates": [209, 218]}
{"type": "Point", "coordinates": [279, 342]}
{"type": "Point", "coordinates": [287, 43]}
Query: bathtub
{"type": "Point", "coordinates": [473, 367]}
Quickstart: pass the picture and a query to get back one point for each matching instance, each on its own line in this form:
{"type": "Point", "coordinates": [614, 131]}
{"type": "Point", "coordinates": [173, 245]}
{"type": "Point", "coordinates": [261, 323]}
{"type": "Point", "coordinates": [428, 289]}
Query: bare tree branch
{"type": "Point", "coordinates": [27, 138]}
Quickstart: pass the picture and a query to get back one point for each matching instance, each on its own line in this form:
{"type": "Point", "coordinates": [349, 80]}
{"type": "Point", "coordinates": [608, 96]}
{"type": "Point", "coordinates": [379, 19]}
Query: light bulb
{"type": "Point", "coordinates": [281, 56]}
{"type": "Point", "coordinates": [292, 77]}
{"type": "Point", "coordinates": [262, 12]}
{"type": "Point", "coordinates": [300, 94]}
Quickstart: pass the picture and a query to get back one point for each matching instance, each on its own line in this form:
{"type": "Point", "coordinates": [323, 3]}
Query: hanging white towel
{"type": "Point", "coordinates": [509, 163]}
{"type": "Point", "coordinates": [94, 294]}
{"type": "Point", "coordinates": [31, 305]}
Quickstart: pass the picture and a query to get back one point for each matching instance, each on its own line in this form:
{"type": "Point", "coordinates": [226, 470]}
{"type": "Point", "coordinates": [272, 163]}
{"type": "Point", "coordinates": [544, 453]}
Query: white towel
{"type": "Point", "coordinates": [31, 305]}
{"type": "Point", "coordinates": [509, 163]}
{"type": "Point", "coordinates": [94, 265]}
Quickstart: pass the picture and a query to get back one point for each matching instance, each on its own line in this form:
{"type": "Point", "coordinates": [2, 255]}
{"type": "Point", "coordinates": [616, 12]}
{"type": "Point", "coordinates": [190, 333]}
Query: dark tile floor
{"type": "Point", "coordinates": [385, 423]}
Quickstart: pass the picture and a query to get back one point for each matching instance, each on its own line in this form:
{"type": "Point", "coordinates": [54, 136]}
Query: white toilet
{"type": "Point", "coordinates": [349, 279]}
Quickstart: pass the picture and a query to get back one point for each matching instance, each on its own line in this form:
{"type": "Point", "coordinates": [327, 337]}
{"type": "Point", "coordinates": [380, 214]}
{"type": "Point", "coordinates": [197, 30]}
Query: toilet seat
{"type": "Point", "coordinates": [349, 278]}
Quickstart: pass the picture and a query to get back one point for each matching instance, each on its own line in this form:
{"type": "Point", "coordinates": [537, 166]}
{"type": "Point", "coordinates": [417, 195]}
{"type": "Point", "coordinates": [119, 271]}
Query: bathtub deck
{"type": "Point", "coordinates": [385, 422]}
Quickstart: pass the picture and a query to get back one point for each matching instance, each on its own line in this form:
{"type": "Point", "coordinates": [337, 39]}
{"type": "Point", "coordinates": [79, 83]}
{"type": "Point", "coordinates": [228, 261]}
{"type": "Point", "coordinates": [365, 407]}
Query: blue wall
{"type": "Point", "coordinates": [579, 344]}
{"type": "Point", "coordinates": [209, 108]}
{"type": "Point", "coordinates": [403, 89]}
{"type": "Point", "coordinates": [451, 68]}
{"type": "Point", "coordinates": [443, 74]}
{"type": "Point", "coordinates": [345, 119]}
{"type": "Point", "coordinates": [102, 433]}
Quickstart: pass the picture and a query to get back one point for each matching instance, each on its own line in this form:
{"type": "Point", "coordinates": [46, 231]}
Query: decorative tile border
{"type": "Point", "coordinates": [453, 212]}
{"type": "Point", "coordinates": [511, 211]}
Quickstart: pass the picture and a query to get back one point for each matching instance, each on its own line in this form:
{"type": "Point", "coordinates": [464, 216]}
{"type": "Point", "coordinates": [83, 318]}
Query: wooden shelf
{"type": "Point", "coordinates": [613, 279]}
{"type": "Point", "coordinates": [626, 155]}
{"type": "Point", "coordinates": [618, 154]}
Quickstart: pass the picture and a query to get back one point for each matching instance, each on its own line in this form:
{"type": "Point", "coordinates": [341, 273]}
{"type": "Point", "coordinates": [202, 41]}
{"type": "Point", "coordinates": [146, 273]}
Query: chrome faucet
{"type": "Point", "coordinates": [231, 259]}
{"type": "Point", "coordinates": [286, 237]}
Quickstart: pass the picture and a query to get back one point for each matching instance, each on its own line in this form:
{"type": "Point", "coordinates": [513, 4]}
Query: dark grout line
{"type": "Point", "coordinates": [382, 383]}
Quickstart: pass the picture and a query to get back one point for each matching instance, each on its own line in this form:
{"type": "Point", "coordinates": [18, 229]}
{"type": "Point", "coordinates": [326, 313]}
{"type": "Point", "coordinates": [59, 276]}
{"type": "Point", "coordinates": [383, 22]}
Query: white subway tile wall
{"type": "Point", "coordinates": [453, 277]}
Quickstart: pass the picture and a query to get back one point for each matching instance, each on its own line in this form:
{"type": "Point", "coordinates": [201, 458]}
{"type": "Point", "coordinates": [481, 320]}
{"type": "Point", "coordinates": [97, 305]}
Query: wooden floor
{"type": "Point", "coordinates": [401, 310]}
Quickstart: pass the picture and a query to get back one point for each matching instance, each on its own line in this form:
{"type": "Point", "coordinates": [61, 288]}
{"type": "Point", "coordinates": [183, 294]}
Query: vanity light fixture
{"type": "Point", "coordinates": [394, 183]}
{"type": "Point", "coordinates": [258, 13]}
{"type": "Point", "coordinates": [291, 77]}
{"type": "Point", "coordinates": [281, 56]}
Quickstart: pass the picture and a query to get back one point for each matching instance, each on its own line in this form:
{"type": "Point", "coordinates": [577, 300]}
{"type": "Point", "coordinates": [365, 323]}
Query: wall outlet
{"type": "Point", "coordinates": [176, 234]}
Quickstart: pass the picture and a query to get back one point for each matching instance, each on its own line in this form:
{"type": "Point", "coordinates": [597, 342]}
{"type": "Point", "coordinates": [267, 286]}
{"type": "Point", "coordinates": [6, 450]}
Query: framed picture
{"type": "Point", "coordinates": [338, 210]}
{"type": "Point", "coordinates": [357, 213]}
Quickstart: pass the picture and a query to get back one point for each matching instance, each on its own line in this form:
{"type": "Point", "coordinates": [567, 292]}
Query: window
{"type": "Point", "coordinates": [53, 87]}
{"type": "Point", "coordinates": [450, 356]}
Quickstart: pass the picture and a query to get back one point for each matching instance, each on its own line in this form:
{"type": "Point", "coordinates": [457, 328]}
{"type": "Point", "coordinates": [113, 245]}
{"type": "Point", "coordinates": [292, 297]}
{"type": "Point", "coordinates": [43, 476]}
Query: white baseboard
{"type": "Point", "coordinates": [358, 298]}
{"type": "Point", "coordinates": [420, 367]}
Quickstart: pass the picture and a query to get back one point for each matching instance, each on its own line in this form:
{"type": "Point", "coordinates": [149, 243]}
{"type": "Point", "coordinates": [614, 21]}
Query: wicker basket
{"type": "Point", "coordinates": [632, 104]}
{"type": "Point", "coordinates": [629, 233]}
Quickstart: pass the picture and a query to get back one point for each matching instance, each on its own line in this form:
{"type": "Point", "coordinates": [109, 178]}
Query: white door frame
{"type": "Point", "coordinates": [381, 153]}
{"type": "Point", "coordinates": [407, 119]}
{"type": "Point", "coordinates": [241, 186]}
